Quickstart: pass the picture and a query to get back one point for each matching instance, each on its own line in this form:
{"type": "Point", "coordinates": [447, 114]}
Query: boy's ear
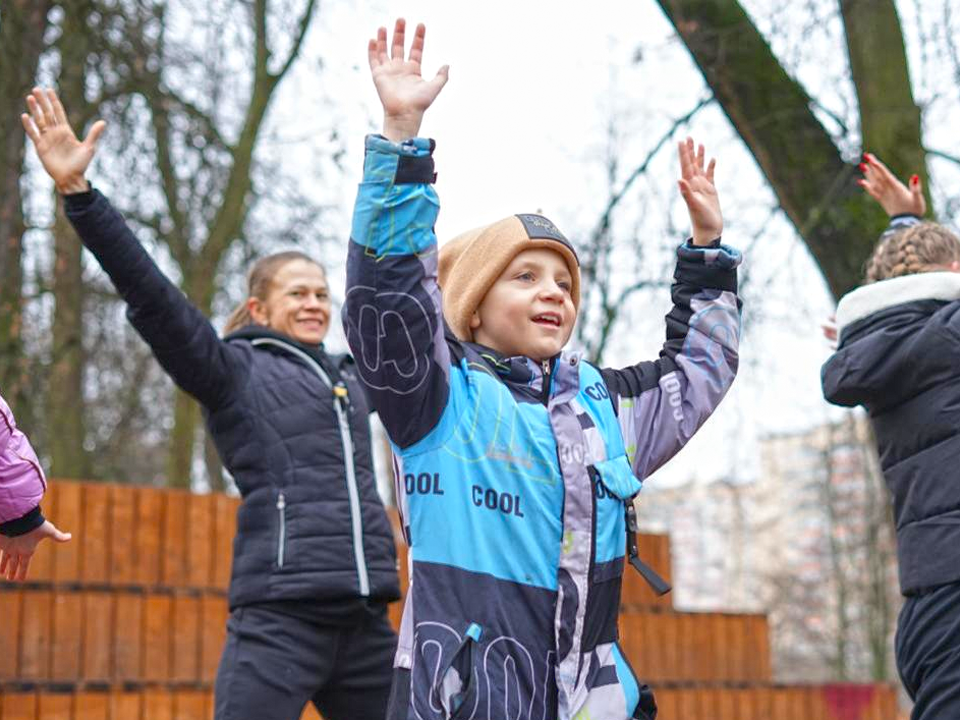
{"type": "Point", "coordinates": [475, 320]}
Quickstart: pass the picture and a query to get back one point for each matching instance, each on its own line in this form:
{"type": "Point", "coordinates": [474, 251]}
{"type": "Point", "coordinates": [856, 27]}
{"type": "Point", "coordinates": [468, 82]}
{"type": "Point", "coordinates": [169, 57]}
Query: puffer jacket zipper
{"type": "Point", "coordinates": [282, 539]}
{"type": "Point", "coordinates": [340, 404]}
{"type": "Point", "coordinates": [545, 390]}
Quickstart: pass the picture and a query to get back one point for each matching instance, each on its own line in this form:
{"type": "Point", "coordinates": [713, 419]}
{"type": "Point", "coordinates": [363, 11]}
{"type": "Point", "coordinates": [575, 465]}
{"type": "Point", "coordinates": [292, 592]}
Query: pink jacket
{"type": "Point", "coordinates": [22, 482]}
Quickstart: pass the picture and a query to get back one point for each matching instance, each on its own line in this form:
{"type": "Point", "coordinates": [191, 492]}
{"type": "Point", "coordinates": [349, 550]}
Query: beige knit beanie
{"type": "Point", "coordinates": [470, 264]}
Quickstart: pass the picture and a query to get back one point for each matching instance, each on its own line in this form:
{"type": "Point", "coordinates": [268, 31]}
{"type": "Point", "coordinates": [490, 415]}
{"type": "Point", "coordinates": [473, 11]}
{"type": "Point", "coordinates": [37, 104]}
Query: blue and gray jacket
{"type": "Point", "coordinates": [512, 475]}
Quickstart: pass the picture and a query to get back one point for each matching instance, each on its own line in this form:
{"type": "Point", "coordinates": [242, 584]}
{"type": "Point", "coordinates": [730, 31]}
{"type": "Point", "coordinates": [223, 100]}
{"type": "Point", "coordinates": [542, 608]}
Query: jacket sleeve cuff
{"type": "Point", "coordinates": [709, 266]}
{"type": "Point", "coordinates": [406, 163]}
{"type": "Point", "coordinates": [22, 525]}
{"type": "Point", "coordinates": [77, 202]}
{"type": "Point", "coordinates": [901, 222]}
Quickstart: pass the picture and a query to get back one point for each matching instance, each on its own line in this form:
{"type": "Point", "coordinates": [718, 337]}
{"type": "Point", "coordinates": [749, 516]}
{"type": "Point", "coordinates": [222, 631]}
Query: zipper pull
{"type": "Point", "coordinates": [546, 368]}
{"type": "Point", "coordinates": [281, 502]}
{"type": "Point", "coordinates": [341, 393]}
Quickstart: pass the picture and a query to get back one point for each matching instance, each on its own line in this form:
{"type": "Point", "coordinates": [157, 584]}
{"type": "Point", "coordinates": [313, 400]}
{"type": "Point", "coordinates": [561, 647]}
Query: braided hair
{"type": "Point", "coordinates": [924, 247]}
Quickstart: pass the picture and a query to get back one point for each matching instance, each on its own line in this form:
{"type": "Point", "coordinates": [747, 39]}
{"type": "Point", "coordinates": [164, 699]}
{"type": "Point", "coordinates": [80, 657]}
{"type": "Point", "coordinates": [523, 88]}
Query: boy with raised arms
{"type": "Point", "coordinates": [516, 461]}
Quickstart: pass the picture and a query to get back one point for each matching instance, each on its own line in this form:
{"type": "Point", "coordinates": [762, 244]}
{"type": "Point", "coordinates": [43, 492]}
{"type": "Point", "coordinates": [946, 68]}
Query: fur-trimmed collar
{"type": "Point", "coordinates": [868, 299]}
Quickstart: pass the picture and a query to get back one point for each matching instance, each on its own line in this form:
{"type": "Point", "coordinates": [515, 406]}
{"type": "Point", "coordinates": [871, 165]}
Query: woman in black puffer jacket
{"type": "Point", "coordinates": [314, 564]}
{"type": "Point", "coordinates": [899, 357]}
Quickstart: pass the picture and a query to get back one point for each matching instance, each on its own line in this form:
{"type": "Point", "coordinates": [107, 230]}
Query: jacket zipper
{"type": "Point", "coordinates": [339, 403]}
{"type": "Point", "coordinates": [282, 542]}
{"type": "Point", "coordinates": [545, 393]}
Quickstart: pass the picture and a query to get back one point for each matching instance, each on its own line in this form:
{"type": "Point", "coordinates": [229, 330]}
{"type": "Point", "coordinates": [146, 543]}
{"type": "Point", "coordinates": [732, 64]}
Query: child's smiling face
{"type": "Point", "coordinates": [528, 310]}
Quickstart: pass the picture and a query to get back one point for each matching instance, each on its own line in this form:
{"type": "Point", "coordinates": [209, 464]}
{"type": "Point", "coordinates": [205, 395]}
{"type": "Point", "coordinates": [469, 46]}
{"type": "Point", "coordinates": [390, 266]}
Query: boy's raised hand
{"type": "Point", "coordinates": [700, 194]}
{"type": "Point", "coordinates": [403, 92]}
{"type": "Point", "coordinates": [884, 187]}
{"type": "Point", "coordinates": [64, 157]}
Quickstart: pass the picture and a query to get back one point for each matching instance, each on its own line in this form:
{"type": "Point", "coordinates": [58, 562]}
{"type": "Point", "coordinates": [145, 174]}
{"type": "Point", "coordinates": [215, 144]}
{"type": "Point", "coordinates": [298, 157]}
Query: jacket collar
{"type": "Point", "coordinates": [257, 332]}
{"type": "Point", "coordinates": [872, 298]}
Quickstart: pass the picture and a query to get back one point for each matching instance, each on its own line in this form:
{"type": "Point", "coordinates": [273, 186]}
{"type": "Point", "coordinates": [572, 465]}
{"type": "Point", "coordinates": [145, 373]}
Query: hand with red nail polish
{"type": "Point", "coordinates": [884, 187]}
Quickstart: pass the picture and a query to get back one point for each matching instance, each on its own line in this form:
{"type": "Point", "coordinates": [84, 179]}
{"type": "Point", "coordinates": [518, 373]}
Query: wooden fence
{"type": "Point", "coordinates": [128, 620]}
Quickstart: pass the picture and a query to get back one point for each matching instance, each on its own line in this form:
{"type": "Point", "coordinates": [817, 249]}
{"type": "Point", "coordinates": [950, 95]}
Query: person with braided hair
{"type": "Point", "coordinates": [897, 356]}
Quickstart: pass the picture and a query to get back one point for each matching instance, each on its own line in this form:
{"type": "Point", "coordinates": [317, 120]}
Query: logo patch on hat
{"type": "Point", "coordinates": [538, 226]}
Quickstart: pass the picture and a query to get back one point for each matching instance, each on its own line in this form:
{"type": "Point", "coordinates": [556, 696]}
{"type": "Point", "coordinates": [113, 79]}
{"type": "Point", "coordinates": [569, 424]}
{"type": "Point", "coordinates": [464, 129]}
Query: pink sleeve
{"type": "Point", "coordinates": [22, 482]}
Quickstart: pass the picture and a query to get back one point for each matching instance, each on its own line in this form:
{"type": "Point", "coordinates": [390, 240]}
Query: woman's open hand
{"type": "Point", "coordinates": [64, 157]}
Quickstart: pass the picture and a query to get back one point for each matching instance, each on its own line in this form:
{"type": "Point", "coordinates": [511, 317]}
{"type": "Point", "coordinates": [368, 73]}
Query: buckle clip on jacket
{"type": "Point", "coordinates": [658, 584]}
{"type": "Point", "coordinates": [341, 393]}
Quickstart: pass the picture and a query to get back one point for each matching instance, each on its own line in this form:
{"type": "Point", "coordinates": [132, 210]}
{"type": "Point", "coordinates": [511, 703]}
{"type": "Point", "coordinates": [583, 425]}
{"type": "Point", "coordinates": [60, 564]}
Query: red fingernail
{"type": "Point", "coordinates": [866, 156]}
{"type": "Point", "coordinates": [914, 179]}
{"type": "Point", "coordinates": [863, 168]}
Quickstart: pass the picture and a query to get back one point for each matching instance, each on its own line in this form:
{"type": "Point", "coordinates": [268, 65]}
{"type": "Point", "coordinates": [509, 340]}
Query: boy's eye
{"type": "Point", "coordinates": [565, 286]}
{"type": "Point", "coordinates": [297, 293]}
{"type": "Point", "coordinates": [525, 276]}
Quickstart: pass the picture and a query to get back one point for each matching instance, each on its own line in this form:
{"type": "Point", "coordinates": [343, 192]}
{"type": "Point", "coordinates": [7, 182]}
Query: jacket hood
{"type": "Point", "coordinates": [886, 340]}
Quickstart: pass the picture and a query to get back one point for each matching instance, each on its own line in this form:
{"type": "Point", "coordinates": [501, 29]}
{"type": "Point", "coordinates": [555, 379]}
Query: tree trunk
{"type": "Point", "coordinates": [22, 25]}
{"type": "Point", "coordinates": [772, 113]}
{"type": "Point", "coordinates": [65, 398]}
{"type": "Point", "coordinates": [889, 116]}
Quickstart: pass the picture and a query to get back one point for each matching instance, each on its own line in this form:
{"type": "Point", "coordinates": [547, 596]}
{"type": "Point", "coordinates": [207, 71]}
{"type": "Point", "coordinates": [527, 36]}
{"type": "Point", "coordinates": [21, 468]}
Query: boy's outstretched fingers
{"type": "Point", "coordinates": [699, 193]}
{"type": "Point", "coordinates": [404, 94]}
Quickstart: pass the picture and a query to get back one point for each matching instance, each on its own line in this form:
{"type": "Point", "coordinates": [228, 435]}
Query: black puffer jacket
{"type": "Point", "coordinates": [899, 357]}
{"type": "Point", "coordinates": [311, 525]}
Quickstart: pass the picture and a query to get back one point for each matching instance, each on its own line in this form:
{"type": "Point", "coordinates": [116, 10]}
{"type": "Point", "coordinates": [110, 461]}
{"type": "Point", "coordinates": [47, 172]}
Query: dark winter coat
{"type": "Point", "coordinates": [311, 526]}
{"type": "Point", "coordinates": [899, 357]}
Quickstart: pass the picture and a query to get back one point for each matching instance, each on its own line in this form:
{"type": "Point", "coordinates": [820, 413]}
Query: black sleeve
{"type": "Point", "coordinates": [22, 525]}
{"type": "Point", "coordinates": [181, 337]}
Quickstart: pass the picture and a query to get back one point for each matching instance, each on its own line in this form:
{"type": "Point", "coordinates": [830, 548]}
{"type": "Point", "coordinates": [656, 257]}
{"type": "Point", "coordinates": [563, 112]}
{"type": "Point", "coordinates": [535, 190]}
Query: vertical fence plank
{"type": "Point", "coordinates": [708, 647]}
{"type": "Point", "coordinates": [18, 706]}
{"type": "Point", "coordinates": [41, 564]}
{"type": "Point", "coordinates": [673, 670]}
{"type": "Point", "coordinates": [157, 622]}
{"type": "Point", "coordinates": [189, 705]}
{"type": "Point", "coordinates": [158, 705]}
{"type": "Point", "coordinates": [126, 705]}
{"type": "Point", "coordinates": [55, 706]}
{"type": "Point", "coordinates": [737, 638]}
{"type": "Point", "coordinates": [201, 540]}
{"type": "Point", "coordinates": [186, 639]}
{"type": "Point", "coordinates": [686, 643]}
{"type": "Point", "coordinates": [762, 648]}
{"type": "Point", "coordinates": [124, 529]}
{"type": "Point", "coordinates": [173, 559]}
{"type": "Point", "coordinates": [127, 637]}
{"type": "Point", "coordinates": [10, 612]}
{"type": "Point", "coordinates": [667, 705]}
{"type": "Point", "coordinates": [35, 632]}
{"type": "Point", "coordinates": [148, 538]}
{"type": "Point", "coordinates": [744, 705]}
{"type": "Point", "coordinates": [98, 636]}
{"type": "Point", "coordinates": [67, 632]}
{"type": "Point", "coordinates": [92, 706]}
{"type": "Point", "coordinates": [213, 613]}
{"type": "Point", "coordinates": [66, 559]}
{"type": "Point", "coordinates": [96, 538]}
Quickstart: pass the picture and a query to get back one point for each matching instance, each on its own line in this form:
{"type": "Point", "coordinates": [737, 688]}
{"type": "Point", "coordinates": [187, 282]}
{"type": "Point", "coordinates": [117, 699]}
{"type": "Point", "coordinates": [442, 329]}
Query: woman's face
{"type": "Point", "coordinates": [298, 303]}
